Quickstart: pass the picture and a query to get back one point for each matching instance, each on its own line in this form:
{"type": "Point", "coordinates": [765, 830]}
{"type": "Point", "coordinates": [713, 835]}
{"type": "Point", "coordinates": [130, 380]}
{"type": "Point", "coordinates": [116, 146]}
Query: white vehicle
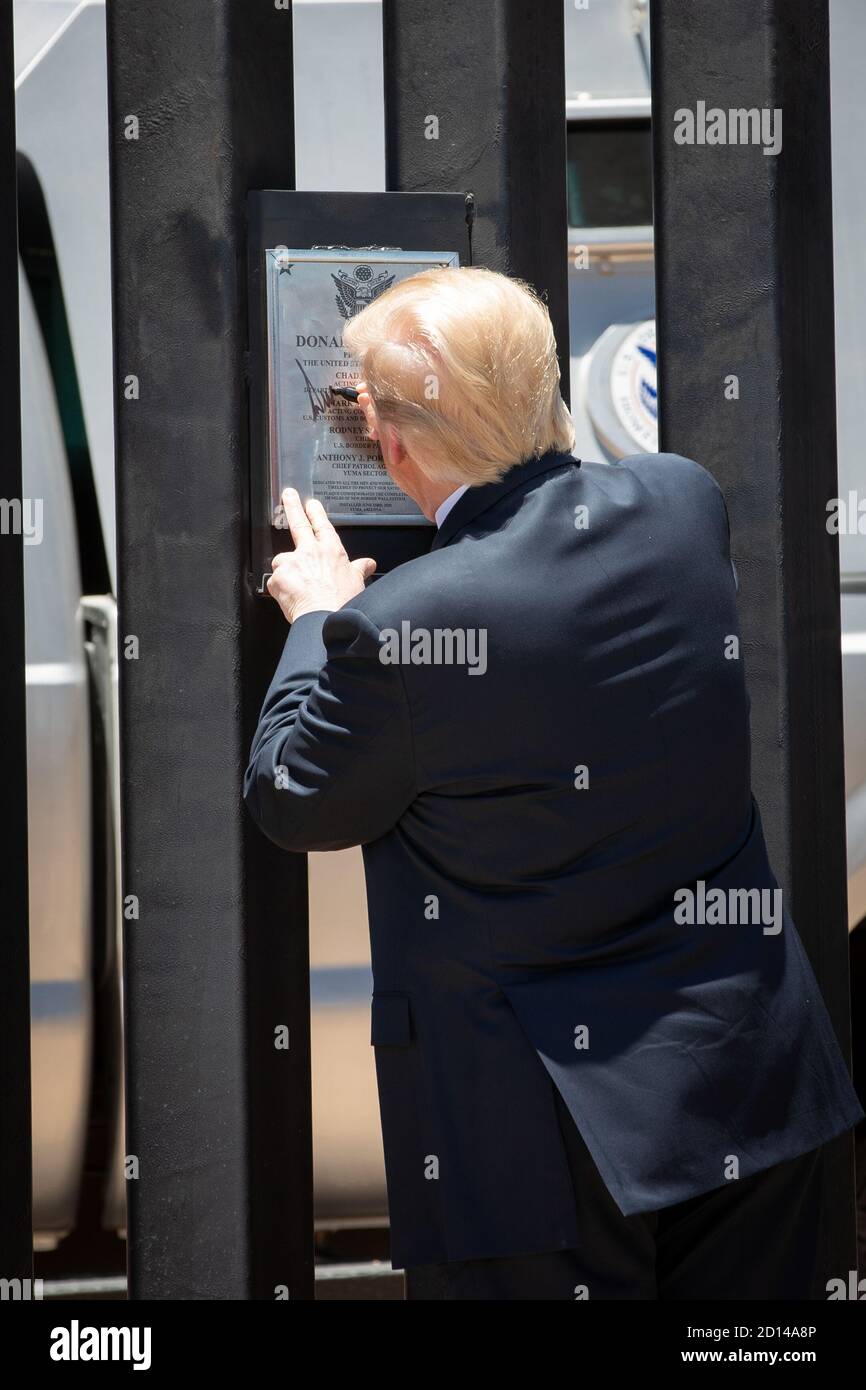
{"type": "Point", "coordinates": [68, 439]}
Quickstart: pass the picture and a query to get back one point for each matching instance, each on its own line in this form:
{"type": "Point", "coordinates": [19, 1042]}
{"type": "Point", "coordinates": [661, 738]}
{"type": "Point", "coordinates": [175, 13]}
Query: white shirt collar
{"type": "Point", "coordinates": [444, 507]}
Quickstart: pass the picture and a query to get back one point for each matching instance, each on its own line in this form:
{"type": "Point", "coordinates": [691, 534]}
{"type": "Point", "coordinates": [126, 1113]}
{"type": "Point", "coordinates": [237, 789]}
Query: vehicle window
{"type": "Point", "coordinates": [609, 174]}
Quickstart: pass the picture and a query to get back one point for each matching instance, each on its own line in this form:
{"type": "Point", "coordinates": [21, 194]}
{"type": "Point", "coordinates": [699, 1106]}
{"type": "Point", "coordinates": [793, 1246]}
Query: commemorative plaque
{"type": "Point", "coordinates": [314, 261]}
{"type": "Point", "coordinates": [317, 441]}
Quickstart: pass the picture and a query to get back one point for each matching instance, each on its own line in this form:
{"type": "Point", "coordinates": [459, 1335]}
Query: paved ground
{"type": "Point", "coordinates": [359, 1282]}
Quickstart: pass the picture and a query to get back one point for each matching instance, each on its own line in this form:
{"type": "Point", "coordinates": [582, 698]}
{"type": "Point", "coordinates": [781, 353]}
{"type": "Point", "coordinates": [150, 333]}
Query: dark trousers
{"type": "Point", "coordinates": [755, 1238]}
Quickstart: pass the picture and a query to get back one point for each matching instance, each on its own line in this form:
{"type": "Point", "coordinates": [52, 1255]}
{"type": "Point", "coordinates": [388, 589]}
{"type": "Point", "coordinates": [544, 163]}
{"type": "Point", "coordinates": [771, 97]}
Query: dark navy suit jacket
{"type": "Point", "coordinates": [526, 916]}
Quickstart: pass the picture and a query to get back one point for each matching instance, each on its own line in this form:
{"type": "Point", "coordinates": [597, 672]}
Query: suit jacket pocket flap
{"type": "Point", "coordinates": [391, 1022]}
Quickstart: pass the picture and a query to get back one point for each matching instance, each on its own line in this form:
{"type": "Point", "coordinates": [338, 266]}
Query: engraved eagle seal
{"type": "Point", "coordinates": [356, 291]}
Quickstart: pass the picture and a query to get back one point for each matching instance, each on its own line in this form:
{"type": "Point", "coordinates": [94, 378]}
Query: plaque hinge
{"type": "Point", "coordinates": [470, 220]}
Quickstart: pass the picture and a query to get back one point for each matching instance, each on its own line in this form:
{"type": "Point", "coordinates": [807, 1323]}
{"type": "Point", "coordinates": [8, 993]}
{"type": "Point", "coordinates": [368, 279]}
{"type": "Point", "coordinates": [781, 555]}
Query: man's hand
{"type": "Point", "coordinates": [365, 403]}
{"type": "Point", "coordinates": [317, 574]}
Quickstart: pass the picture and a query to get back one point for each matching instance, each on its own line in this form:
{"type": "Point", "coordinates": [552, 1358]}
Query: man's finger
{"type": "Point", "coordinates": [299, 526]}
{"type": "Point", "coordinates": [322, 527]}
{"type": "Point", "coordinates": [365, 568]}
{"type": "Point", "coordinates": [365, 402]}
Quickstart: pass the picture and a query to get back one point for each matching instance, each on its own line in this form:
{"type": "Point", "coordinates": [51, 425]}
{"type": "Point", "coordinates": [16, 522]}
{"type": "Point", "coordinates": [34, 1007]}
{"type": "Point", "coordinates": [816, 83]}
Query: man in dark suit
{"type": "Point", "coordinates": [605, 1069]}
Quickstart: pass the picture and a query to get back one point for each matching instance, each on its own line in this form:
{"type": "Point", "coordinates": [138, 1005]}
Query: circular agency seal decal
{"type": "Point", "coordinates": [633, 385]}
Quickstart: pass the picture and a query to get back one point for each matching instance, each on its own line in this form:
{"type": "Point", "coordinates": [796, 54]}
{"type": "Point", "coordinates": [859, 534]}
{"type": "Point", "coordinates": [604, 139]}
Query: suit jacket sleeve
{"type": "Point", "coordinates": [332, 763]}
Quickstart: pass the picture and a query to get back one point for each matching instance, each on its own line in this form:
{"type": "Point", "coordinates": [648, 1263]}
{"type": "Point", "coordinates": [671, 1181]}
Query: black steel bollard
{"type": "Point", "coordinates": [744, 271]}
{"type": "Point", "coordinates": [216, 947]}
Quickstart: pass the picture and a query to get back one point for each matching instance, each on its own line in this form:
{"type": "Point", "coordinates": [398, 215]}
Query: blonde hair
{"type": "Point", "coordinates": [462, 363]}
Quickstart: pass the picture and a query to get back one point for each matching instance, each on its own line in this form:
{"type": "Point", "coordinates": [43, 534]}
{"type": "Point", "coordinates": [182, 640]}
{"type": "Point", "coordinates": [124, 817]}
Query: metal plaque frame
{"type": "Point", "coordinates": [291, 392]}
{"type": "Point", "coordinates": [380, 228]}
